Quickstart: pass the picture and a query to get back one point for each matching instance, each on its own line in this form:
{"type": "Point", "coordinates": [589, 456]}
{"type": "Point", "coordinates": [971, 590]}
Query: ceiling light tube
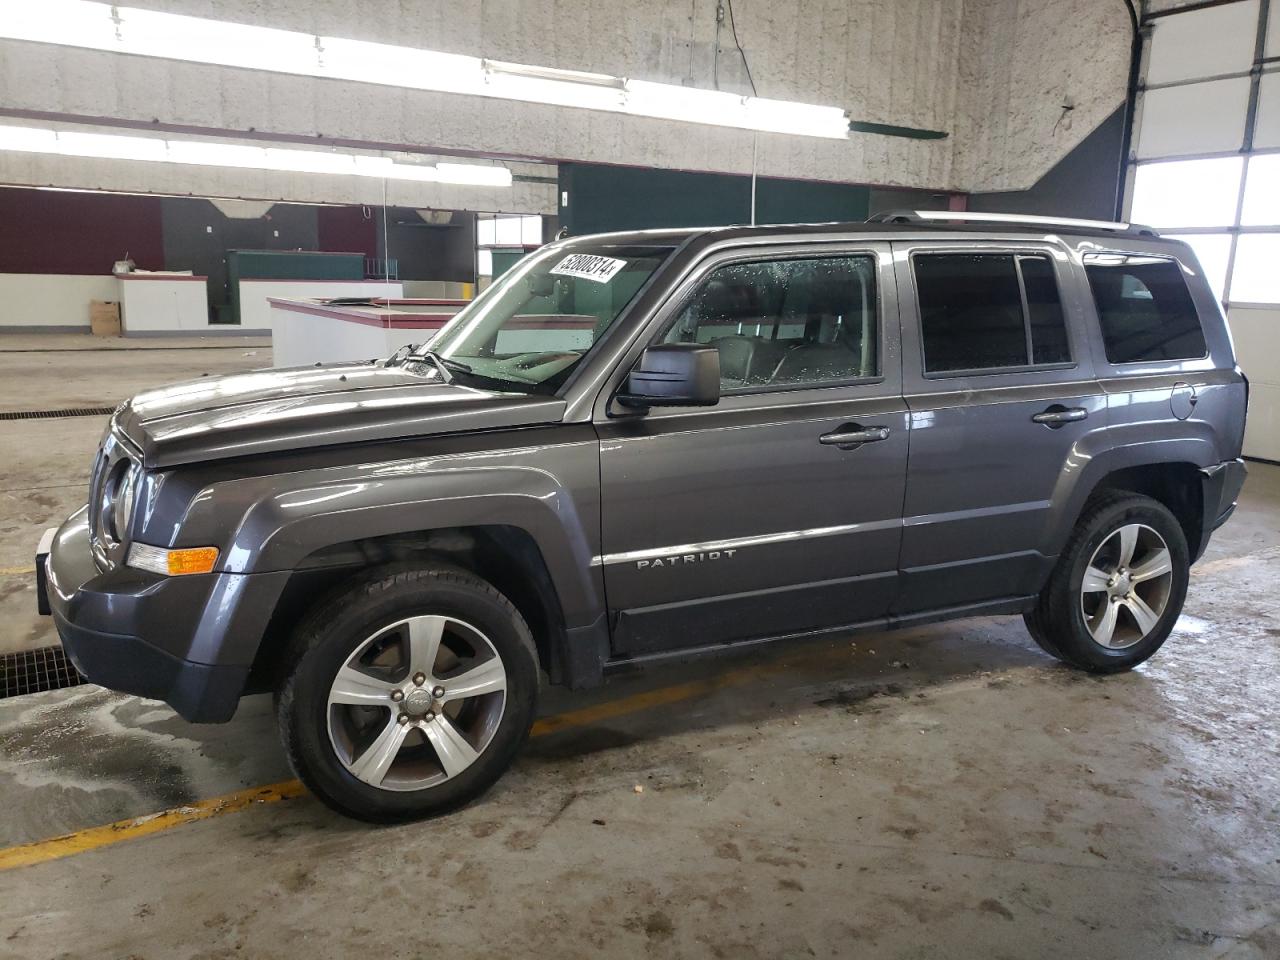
{"type": "Point", "coordinates": [110, 146]}
{"type": "Point", "coordinates": [553, 73]}
{"type": "Point", "coordinates": [245, 157]}
{"type": "Point", "coordinates": [472, 174]}
{"type": "Point", "coordinates": [382, 63]}
{"type": "Point", "coordinates": [100, 26]}
{"type": "Point", "coordinates": [28, 140]}
{"type": "Point", "coordinates": [554, 92]}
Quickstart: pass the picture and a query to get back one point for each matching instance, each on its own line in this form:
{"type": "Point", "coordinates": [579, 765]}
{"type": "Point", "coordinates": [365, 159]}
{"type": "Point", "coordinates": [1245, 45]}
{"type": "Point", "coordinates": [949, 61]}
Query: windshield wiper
{"type": "Point", "coordinates": [446, 366]}
{"type": "Point", "coordinates": [401, 355]}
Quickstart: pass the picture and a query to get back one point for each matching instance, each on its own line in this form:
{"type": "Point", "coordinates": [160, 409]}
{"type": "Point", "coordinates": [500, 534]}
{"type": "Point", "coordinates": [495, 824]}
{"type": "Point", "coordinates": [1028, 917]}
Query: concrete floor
{"type": "Point", "coordinates": [947, 791]}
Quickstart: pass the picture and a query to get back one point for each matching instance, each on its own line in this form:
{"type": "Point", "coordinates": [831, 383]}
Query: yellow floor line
{"type": "Point", "coordinates": [81, 841]}
{"type": "Point", "coordinates": [17, 571]}
{"type": "Point", "coordinates": [94, 838]}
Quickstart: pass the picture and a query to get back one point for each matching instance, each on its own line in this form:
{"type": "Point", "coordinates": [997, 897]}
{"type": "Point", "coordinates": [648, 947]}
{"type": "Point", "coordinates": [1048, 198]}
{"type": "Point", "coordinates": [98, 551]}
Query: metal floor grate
{"type": "Point", "coordinates": [33, 671]}
{"type": "Point", "coordinates": [55, 414]}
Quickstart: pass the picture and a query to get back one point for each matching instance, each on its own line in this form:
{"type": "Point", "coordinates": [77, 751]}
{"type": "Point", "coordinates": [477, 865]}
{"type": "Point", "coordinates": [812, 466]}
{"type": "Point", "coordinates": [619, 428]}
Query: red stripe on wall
{"type": "Point", "coordinates": [47, 231]}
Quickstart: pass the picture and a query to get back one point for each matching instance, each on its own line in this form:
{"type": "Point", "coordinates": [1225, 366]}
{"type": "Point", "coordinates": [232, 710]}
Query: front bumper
{"type": "Point", "coordinates": [189, 641]}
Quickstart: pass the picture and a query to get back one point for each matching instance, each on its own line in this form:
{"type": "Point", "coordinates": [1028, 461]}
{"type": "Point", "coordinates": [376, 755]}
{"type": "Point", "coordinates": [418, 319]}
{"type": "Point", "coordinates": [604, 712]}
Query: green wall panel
{"type": "Point", "coordinates": [602, 198]}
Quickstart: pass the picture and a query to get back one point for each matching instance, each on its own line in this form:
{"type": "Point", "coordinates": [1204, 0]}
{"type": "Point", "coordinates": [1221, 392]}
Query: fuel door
{"type": "Point", "coordinates": [1183, 400]}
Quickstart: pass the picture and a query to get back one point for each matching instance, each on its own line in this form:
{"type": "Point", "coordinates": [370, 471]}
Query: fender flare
{"type": "Point", "coordinates": [1085, 470]}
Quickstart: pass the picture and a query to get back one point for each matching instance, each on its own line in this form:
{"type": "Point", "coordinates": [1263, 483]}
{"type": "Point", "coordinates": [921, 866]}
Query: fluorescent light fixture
{"type": "Point", "coordinates": [74, 144]}
{"type": "Point", "coordinates": [101, 26]}
{"type": "Point", "coordinates": [110, 146]}
{"type": "Point", "coordinates": [468, 173]}
{"type": "Point", "coordinates": [553, 73]}
{"type": "Point", "coordinates": [392, 66]}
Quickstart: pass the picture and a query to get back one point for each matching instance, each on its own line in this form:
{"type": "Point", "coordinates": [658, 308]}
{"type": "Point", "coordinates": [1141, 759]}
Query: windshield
{"type": "Point", "coordinates": [535, 324]}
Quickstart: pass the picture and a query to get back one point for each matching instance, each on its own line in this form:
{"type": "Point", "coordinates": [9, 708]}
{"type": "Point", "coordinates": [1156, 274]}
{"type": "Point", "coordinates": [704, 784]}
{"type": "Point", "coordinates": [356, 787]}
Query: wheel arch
{"type": "Point", "coordinates": [506, 556]}
{"type": "Point", "coordinates": [1169, 474]}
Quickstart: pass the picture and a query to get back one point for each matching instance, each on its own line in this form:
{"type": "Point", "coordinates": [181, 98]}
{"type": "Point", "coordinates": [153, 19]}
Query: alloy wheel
{"type": "Point", "coordinates": [416, 703]}
{"type": "Point", "coordinates": [1126, 586]}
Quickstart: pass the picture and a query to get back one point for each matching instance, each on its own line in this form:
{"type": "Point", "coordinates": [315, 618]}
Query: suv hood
{"type": "Point", "coordinates": [269, 411]}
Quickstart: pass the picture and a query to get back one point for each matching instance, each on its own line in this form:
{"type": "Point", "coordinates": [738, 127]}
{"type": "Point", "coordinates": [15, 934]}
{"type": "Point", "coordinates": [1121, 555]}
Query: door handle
{"type": "Point", "coordinates": [853, 436]}
{"type": "Point", "coordinates": [1057, 415]}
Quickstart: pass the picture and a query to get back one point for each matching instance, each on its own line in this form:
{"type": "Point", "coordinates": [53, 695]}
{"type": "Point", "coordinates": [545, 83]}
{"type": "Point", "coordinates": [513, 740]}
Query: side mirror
{"type": "Point", "coordinates": [674, 375]}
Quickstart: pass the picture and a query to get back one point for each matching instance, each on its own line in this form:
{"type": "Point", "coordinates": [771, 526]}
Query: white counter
{"type": "Point", "coordinates": [310, 331]}
{"type": "Point", "coordinates": [153, 303]}
{"type": "Point", "coordinates": [255, 295]}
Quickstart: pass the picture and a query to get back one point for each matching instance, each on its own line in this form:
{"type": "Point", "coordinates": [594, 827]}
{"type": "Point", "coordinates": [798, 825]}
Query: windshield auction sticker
{"type": "Point", "coordinates": [589, 267]}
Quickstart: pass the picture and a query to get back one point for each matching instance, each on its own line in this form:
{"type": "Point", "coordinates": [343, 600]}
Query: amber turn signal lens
{"type": "Point", "coordinates": [193, 560]}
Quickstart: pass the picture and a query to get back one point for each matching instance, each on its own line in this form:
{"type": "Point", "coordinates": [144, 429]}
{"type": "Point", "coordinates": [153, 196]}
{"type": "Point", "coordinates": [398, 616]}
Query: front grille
{"type": "Point", "coordinates": [34, 671]}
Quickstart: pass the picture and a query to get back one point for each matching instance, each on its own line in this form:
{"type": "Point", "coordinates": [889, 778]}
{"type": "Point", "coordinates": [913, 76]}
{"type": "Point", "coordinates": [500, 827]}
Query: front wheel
{"type": "Point", "coordinates": [1118, 588]}
{"type": "Point", "coordinates": [408, 694]}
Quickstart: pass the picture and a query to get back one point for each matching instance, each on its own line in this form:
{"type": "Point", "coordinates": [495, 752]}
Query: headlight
{"type": "Point", "coordinates": [118, 495]}
{"type": "Point", "coordinates": [122, 514]}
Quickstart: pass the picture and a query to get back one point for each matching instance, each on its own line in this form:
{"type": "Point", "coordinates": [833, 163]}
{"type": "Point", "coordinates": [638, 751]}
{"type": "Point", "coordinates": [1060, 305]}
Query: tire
{"type": "Point", "coordinates": [375, 732]}
{"type": "Point", "coordinates": [1079, 622]}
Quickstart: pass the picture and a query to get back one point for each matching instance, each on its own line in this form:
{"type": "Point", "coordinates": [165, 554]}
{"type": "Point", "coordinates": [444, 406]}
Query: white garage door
{"type": "Point", "coordinates": [1207, 167]}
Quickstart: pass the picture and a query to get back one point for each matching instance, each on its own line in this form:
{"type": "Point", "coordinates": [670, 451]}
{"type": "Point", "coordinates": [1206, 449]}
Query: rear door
{"type": "Point", "coordinates": [778, 511]}
{"type": "Point", "coordinates": [999, 381]}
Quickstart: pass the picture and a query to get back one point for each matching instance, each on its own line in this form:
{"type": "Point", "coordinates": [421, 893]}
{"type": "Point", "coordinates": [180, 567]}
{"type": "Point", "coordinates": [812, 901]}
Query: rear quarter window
{"type": "Point", "coordinates": [1144, 308]}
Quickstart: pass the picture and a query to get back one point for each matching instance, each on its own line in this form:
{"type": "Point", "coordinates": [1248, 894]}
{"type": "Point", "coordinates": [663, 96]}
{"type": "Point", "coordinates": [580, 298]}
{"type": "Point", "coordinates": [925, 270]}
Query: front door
{"type": "Point", "coordinates": [999, 381]}
{"type": "Point", "coordinates": [778, 511]}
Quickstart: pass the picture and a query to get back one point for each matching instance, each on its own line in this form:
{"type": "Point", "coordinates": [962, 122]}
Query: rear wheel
{"type": "Point", "coordinates": [408, 694]}
{"type": "Point", "coordinates": [1118, 587]}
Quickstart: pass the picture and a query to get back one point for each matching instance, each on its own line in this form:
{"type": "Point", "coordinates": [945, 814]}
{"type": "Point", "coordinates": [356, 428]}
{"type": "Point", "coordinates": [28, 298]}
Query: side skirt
{"type": "Point", "coordinates": [987, 608]}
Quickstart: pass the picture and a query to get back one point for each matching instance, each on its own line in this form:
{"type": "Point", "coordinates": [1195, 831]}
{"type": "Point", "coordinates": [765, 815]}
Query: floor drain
{"type": "Point", "coordinates": [55, 414]}
{"type": "Point", "coordinates": [33, 671]}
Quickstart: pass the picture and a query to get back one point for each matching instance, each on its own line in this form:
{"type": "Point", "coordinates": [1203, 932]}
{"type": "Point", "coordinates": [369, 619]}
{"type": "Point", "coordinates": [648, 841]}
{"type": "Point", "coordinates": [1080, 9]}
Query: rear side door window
{"type": "Point", "coordinates": [1144, 308]}
{"type": "Point", "coordinates": [786, 323]}
{"type": "Point", "coordinates": [989, 311]}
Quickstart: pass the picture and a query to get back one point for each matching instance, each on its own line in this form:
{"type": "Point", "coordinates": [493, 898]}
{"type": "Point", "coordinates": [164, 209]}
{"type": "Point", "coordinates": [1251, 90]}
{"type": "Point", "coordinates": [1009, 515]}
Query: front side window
{"type": "Point", "coordinates": [534, 325]}
{"type": "Point", "coordinates": [989, 311]}
{"type": "Point", "coordinates": [786, 322]}
{"type": "Point", "coordinates": [1144, 308]}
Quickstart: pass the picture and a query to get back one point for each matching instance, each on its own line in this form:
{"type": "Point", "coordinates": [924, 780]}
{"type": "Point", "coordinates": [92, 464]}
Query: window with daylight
{"type": "Point", "coordinates": [1206, 132]}
{"type": "Point", "coordinates": [509, 233]}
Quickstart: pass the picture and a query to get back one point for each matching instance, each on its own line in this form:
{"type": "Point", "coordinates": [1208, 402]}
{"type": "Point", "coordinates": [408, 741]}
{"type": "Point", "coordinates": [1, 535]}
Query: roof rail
{"type": "Point", "coordinates": [968, 216]}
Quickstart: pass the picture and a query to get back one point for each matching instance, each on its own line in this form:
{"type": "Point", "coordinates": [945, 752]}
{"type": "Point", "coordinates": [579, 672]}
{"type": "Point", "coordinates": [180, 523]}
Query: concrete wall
{"type": "Point", "coordinates": [1021, 63]}
{"type": "Point", "coordinates": [51, 300]}
{"type": "Point", "coordinates": [886, 60]}
{"type": "Point", "coordinates": [993, 73]}
{"type": "Point", "coordinates": [1084, 183]}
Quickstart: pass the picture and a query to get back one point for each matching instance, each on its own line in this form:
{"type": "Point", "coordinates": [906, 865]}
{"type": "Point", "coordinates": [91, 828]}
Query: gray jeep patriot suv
{"type": "Point", "coordinates": [655, 444]}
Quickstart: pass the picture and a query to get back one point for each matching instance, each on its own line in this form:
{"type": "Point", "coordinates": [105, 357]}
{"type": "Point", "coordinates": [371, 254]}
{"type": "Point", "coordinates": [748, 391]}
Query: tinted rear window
{"type": "Point", "coordinates": [973, 315]}
{"type": "Point", "coordinates": [1144, 308]}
